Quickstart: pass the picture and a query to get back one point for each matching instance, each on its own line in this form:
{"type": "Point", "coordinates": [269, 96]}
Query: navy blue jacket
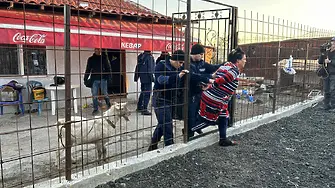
{"type": "Point", "coordinates": [145, 68]}
{"type": "Point", "coordinates": [200, 72]}
{"type": "Point", "coordinates": [167, 82]}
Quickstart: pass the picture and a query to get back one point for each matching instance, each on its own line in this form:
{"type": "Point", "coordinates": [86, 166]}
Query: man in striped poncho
{"type": "Point", "coordinates": [214, 100]}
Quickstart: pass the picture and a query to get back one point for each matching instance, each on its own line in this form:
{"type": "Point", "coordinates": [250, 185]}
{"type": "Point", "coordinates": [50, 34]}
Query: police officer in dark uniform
{"type": "Point", "coordinates": [169, 79]}
{"type": "Point", "coordinates": [144, 70]}
{"type": "Point", "coordinates": [329, 82]}
{"type": "Point", "coordinates": [201, 75]}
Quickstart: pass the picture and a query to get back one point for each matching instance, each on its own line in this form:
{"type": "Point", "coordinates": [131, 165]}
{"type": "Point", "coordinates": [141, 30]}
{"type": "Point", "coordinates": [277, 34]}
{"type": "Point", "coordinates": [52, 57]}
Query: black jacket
{"type": "Point", "coordinates": [331, 65]}
{"type": "Point", "coordinates": [97, 68]}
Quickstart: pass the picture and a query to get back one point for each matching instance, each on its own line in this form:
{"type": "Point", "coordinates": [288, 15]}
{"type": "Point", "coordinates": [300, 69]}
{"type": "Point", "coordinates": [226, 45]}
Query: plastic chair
{"type": "Point", "coordinates": [31, 85]}
{"type": "Point", "coordinates": [9, 103]}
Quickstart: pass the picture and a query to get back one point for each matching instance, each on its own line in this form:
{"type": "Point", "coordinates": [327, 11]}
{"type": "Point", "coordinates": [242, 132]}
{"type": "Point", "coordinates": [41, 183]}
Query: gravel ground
{"type": "Point", "coordinates": [297, 151]}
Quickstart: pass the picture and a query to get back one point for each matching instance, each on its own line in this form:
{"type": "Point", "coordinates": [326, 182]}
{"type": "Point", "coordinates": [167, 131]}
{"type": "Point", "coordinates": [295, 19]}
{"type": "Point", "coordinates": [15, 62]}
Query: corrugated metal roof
{"type": "Point", "coordinates": [121, 7]}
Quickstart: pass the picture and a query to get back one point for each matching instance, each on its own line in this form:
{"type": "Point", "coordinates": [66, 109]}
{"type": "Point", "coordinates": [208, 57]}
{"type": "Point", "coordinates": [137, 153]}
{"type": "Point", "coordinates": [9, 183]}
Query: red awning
{"type": "Point", "coordinates": [17, 27]}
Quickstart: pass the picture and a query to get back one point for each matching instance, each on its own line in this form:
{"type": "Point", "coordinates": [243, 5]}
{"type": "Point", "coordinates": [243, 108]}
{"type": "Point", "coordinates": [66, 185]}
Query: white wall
{"type": "Point", "coordinates": [55, 63]}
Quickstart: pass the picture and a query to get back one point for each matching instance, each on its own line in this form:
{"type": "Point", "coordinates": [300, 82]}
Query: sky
{"type": "Point", "coordinates": [314, 13]}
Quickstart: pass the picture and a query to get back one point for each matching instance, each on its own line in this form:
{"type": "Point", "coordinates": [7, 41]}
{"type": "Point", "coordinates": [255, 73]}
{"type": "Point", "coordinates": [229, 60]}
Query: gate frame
{"type": "Point", "coordinates": [232, 44]}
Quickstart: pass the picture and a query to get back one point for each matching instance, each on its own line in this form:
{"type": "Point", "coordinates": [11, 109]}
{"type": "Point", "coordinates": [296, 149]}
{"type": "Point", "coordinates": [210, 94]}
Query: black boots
{"type": "Point", "coordinates": [226, 142]}
{"type": "Point", "coordinates": [152, 147]}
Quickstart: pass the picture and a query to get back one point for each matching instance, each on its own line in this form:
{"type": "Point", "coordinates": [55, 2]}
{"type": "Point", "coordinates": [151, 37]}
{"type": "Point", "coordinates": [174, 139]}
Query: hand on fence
{"type": "Point", "coordinates": [182, 73]}
{"type": "Point", "coordinates": [327, 61]}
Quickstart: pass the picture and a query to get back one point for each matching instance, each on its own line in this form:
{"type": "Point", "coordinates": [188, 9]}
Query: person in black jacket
{"type": "Point", "coordinates": [164, 56]}
{"type": "Point", "coordinates": [169, 78]}
{"type": "Point", "coordinates": [98, 72]}
{"type": "Point", "coordinates": [329, 82]}
{"type": "Point", "coordinates": [144, 71]}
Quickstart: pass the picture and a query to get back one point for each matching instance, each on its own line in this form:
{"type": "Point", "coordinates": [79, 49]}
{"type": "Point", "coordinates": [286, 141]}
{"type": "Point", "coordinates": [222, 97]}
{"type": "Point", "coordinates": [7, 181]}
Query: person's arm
{"type": "Point", "coordinates": [162, 78]}
{"type": "Point", "coordinates": [88, 70]}
{"type": "Point", "coordinates": [196, 78]}
{"type": "Point", "coordinates": [211, 69]}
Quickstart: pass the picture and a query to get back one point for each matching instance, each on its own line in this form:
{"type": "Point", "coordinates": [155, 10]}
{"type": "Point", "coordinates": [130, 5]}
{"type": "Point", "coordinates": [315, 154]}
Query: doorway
{"type": "Point", "coordinates": [117, 60]}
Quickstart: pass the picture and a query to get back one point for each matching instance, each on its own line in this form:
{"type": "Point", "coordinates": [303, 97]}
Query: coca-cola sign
{"type": "Point", "coordinates": [176, 46]}
{"type": "Point", "coordinates": [31, 39]}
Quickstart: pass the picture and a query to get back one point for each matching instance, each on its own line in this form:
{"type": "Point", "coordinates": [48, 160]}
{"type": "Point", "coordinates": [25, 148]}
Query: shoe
{"type": "Point", "coordinates": [226, 142]}
{"type": "Point", "coordinates": [146, 113]}
{"type": "Point", "coordinates": [190, 134]}
{"type": "Point", "coordinates": [152, 147]}
{"type": "Point", "coordinates": [95, 112]}
{"type": "Point", "coordinates": [199, 131]}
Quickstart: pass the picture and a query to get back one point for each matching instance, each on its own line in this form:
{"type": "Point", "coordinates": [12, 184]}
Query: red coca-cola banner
{"type": "Point", "coordinates": [43, 38]}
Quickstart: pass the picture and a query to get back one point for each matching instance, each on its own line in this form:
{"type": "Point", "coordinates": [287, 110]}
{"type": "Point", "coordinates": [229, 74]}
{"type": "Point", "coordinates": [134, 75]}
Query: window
{"type": "Point", "coordinates": [34, 59]}
{"type": "Point", "coordinates": [23, 60]}
{"type": "Point", "coordinates": [8, 59]}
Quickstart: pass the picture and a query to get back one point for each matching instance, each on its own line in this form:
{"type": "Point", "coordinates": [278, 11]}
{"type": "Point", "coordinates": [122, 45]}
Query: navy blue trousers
{"type": "Point", "coordinates": [144, 98]}
{"type": "Point", "coordinates": [222, 123]}
{"type": "Point", "coordinates": [165, 126]}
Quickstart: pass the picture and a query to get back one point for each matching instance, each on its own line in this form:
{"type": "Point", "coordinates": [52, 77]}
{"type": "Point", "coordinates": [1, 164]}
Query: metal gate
{"type": "Point", "coordinates": [215, 29]}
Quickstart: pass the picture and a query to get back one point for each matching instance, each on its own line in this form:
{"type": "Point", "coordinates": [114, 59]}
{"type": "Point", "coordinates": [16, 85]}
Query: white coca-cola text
{"type": "Point", "coordinates": [33, 39]}
{"type": "Point", "coordinates": [176, 46]}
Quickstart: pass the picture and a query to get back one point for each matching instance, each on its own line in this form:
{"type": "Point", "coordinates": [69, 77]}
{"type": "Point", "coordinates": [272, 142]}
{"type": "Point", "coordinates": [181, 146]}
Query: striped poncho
{"type": "Point", "coordinates": [214, 100]}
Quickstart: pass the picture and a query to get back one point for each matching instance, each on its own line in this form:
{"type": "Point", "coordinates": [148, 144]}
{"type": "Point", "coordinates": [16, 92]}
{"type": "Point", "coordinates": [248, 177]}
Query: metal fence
{"type": "Point", "coordinates": [269, 42]}
{"type": "Point", "coordinates": [43, 40]}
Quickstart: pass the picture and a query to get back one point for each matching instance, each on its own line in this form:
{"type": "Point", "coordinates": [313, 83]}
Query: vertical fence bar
{"type": "Point", "coordinates": [67, 65]}
{"type": "Point", "coordinates": [187, 67]}
{"type": "Point", "coordinates": [233, 42]}
{"type": "Point", "coordinates": [303, 97]}
{"type": "Point", "coordinates": [275, 91]}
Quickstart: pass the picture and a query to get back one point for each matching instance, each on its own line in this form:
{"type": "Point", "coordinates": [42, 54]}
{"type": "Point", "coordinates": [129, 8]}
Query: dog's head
{"type": "Point", "coordinates": [119, 110]}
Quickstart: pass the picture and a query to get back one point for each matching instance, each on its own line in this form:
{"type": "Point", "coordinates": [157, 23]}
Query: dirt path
{"type": "Point", "coordinates": [298, 151]}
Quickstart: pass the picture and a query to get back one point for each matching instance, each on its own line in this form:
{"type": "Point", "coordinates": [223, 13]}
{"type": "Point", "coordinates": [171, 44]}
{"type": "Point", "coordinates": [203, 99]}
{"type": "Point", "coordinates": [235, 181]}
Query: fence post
{"type": "Point", "coordinates": [67, 63]}
{"type": "Point", "coordinates": [187, 67]}
{"type": "Point", "coordinates": [234, 39]}
{"type": "Point", "coordinates": [303, 96]}
{"type": "Point", "coordinates": [275, 89]}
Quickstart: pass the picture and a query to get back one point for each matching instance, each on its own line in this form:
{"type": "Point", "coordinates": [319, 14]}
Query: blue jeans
{"type": "Point", "coordinates": [144, 99]}
{"type": "Point", "coordinates": [164, 127]}
{"type": "Point", "coordinates": [102, 84]}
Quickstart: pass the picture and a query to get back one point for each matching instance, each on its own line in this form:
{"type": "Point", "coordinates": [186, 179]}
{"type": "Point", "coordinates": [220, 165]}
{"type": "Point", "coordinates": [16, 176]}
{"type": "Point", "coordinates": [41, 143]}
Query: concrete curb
{"type": "Point", "coordinates": [117, 169]}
